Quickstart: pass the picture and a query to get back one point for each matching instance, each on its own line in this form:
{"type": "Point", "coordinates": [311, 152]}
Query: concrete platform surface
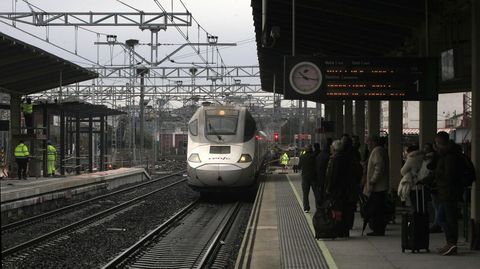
{"type": "Point", "coordinates": [355, 252]}
{"type": "Point", "coordinates": [13, 189]}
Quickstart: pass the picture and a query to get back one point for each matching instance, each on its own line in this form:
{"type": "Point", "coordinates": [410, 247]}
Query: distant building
{"type": "Point", "coordinates": [448, 104]}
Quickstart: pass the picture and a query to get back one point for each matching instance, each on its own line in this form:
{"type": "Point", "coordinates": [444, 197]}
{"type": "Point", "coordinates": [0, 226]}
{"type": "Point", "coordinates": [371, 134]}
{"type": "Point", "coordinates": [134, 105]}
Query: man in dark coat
{"type": "Point", "coordinates": [307, 164]}
{"type": "Point", "coordinates": [448, 186]}
{"type": "Point", "coordinates": [353, 182]}
{"type": "Point", "coordinates": [321, 164]}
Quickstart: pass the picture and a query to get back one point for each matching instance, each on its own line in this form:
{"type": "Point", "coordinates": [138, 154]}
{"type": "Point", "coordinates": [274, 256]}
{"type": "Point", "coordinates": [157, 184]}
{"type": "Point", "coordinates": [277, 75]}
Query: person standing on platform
{"type": "Point", "coordinates": [21, 157]}
{"type": "Point", "coordinates": [27, 109]}
{"type": "Point", "coordinates": [284, 161]}
{"type": "Point", "coordinates": [309, 177]}
{"type": "Point", "coordinates": [377, 185]}
{"type": "Point", "coordinates": [321, 164]}
{"type": "Point", "coordinates": [449, 187]}
{"type": "Point", "coordinates": [51, 158]}
{"type": "Point", "coordinates": [353, 179]}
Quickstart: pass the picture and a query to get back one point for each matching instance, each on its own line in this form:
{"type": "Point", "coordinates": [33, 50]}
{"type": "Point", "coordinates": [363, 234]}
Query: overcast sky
{"type": "Point", "coordinates": [230, 20]}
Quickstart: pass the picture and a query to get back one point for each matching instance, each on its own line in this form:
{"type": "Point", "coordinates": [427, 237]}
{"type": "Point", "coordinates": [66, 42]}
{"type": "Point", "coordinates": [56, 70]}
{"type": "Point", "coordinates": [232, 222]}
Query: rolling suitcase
{"type": "Point", "coordinates": [415, 226]}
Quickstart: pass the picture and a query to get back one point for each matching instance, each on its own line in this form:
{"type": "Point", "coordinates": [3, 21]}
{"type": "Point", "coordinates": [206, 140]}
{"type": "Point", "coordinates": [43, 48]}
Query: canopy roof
{"type": "Point", "coordinates": [26, 69]}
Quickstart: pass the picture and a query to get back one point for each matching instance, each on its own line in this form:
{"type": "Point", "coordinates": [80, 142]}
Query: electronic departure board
{"type": "Point", "coordinates": [374, 78]}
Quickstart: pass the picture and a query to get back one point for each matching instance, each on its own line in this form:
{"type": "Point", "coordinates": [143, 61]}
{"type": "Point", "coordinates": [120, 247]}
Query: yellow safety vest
{"type": "Point", "coordinates": [52, 153]}
{"type": "Point", "coordinates": [284, 159]}
{"type": "Point", "coordinates": [27, 108]}
{"type": "Point", "coordinates": [21, 151]}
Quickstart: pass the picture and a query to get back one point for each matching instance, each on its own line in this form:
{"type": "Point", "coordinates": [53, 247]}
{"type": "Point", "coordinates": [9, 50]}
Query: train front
{"type": "Point", "coordinates": [221, 149]}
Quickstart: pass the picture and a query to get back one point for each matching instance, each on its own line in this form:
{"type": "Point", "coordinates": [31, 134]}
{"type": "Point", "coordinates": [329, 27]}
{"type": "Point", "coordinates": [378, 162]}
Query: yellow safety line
{"type": "Point", "coordinates": [326, 253]}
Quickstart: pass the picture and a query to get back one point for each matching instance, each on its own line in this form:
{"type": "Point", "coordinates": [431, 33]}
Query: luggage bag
{"type": "Point", "coordinates": [326, 221]}
{"type": "Point", "coordinates": [415, 226]}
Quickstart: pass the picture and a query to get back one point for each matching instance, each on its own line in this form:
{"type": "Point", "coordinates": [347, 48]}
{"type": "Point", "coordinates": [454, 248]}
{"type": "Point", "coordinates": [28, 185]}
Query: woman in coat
{"type": "Point", "coordinates": [410, 171]}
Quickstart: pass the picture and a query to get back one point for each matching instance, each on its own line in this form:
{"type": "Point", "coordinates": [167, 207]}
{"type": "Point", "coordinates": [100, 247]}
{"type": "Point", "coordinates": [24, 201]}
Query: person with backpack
{"type": "Point", "coordinates": [449, 187]}
{"type": "Point", "coordinates": [427, 177]}
{"type": "Point", "coordinates": [410, 171]}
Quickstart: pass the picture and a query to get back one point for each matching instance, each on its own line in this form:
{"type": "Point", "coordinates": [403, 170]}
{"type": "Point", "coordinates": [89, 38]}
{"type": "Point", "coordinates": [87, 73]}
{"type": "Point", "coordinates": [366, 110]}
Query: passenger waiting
{"type": "Point", "coordinates": [309, 177]}
{"type": "Point", "coordinates": [377, 185]}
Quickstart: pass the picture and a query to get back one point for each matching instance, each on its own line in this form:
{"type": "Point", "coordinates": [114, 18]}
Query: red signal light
{"type": "Point", "coordinates": [275, 137]}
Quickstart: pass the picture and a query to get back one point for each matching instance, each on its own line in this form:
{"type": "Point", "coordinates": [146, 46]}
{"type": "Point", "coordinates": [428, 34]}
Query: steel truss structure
{"type": "Point", "coordinates": [174, 73]}
{"type": "Point", "coordinates": [143, 20]}
{"type": "Point", "coordinates": [120, 95]}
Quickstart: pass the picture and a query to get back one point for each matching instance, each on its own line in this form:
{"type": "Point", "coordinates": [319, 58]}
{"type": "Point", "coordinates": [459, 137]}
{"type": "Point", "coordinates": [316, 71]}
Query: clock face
{"type": "Point", "coordinates": [305, 78]}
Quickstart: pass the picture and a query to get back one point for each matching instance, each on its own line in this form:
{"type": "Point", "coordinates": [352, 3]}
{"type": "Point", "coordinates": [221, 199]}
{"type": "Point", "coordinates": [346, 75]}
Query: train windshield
{"type": "Point", "coordinates": [221, 122]}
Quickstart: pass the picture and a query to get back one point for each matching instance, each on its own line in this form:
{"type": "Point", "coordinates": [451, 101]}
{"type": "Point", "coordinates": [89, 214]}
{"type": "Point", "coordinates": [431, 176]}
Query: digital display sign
{"type": "Point", "coordinates": [368, 78]}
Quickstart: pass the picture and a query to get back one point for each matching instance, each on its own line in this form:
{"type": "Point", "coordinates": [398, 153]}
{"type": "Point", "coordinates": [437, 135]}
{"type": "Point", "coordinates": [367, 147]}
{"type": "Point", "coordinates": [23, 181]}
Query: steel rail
{"type": "Point", "coordinates": [216, 243]}
{"type": "Point", "coordinates": [87, 220]}
{"type": "Point", "coordinates": [23, 222]}
{"type": "Point", "coordinates": [124, 256]}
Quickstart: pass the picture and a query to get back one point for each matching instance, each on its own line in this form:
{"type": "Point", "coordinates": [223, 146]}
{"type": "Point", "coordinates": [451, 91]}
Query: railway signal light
{"type": "Point", "coordinates": [275, 137]}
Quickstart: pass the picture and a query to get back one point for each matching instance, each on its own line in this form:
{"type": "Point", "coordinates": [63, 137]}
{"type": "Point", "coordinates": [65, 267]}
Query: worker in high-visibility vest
{"type": "Point", "coordinates": [27, 109]}
{"type": "Point", "coordinates": [284, 161]}
{"type": "Point", "coordinates": [21, 157]}
{"type": "Point", "coordinates": [51, 158]}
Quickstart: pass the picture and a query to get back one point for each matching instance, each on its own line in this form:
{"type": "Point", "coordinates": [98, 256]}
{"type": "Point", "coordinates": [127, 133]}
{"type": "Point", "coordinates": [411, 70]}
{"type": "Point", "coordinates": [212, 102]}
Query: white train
{"type": "Point", "coordinates": [225, 151]}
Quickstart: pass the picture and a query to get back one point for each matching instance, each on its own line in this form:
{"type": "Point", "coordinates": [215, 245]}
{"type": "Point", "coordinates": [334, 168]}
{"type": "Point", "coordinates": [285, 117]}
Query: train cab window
{"type": "Point", "coordinates": [221, 122]}
{"type": "Point", "coordinates": [193, 127]}
{"type": "Point", "coordinates": [250, 127]}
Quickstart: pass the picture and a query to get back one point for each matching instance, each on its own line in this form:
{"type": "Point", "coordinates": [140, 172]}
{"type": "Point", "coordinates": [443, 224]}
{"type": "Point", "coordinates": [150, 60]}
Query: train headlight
{"type": "Point", "coordinates": [194, 158]}
{"type": "Point", "coordinates": [245, 158]}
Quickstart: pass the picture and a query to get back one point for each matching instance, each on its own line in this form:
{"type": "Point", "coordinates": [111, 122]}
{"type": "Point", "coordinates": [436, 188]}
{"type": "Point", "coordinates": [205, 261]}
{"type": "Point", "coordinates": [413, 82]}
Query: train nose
{"type": "Point", "coordinates": [221, 174]}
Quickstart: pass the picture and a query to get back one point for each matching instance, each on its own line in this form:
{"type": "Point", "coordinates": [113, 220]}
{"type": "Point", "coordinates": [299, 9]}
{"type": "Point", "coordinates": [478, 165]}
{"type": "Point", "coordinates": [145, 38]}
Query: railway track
{"type": "Point", "coordinates": [49, 237]}
{"type": "Point", "coordinates": [21, 223]}
{"type": "Point", "coordinates": [190, 239]}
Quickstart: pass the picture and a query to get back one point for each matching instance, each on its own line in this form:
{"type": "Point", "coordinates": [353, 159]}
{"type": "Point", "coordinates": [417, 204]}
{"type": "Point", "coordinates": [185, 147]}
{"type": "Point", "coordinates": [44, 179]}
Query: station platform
{"type": "Point", "coordinates": [17, 194]}
{"type": "Point", "coordinates": [281, 235]}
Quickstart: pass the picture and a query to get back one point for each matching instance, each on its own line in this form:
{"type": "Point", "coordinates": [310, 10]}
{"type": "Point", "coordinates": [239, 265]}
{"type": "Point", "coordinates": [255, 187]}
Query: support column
{"type": "Point", "coordinates": [428, 121]}
{"type": "Point", "coordinates": [14, 131]}
{"type": "Point", "coordinates": [338, 107]}
{"type": "Point", "coordinates": [318, 122]}
{"type": "Point", "coordinates": [77, 144]}
{"type": "Point", "coordinates": [360, 120]}
{"type": "Point", "coordinates": [62, 141]}
{"type": "Point", "coordinates": [46, 124]}
{"type": "Point", "coordinates": [395, 128]}
{"type": "Point", "coordinates": [373, 114]}
{"type": "Point", "coordinates": [475, 200]}
{"type": "Point", "coordinates": [348, 117]}
{"type": "Point", "coordinates": [102, 143]}
{"type": "Point", "coordinates": [90, 144]}
{"type": "Point", "coordinates": [300, 123]}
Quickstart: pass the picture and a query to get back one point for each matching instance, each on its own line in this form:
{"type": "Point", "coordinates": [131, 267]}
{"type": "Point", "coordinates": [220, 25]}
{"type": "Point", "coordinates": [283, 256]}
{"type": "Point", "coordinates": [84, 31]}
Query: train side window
{"type": "Point", "coordinates": [250, 127]}
{"type": "Point", "coordinates": [193, 127]}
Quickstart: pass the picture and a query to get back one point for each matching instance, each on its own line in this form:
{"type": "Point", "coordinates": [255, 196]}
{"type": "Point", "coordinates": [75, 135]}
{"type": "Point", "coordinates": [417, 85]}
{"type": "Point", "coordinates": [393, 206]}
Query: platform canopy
{"type": "Point", "coordinates": [82, 109]}
{"type": "Point", "coordinates": [26, 69]}
{"type": "Point", "coordinates": [368, 28]}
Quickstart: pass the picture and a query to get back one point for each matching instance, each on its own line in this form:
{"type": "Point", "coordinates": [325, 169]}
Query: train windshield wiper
{"type": "Point", "coordinates": [214, 131]}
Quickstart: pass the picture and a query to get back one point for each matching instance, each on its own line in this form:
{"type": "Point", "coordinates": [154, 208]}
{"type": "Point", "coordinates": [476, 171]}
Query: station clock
{"type": "Point", "coordinates": [305, 77]}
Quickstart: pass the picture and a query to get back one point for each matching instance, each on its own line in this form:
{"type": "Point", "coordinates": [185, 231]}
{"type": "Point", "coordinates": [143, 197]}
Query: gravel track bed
{"type": "Point", "coordinates": [15, 236]}
{"type": "Point", "coordinates": [227, 255]}
{"type": "Point", "coordinates": [95, 246]}
{"type": "Point", "coordinates": [62, 202]}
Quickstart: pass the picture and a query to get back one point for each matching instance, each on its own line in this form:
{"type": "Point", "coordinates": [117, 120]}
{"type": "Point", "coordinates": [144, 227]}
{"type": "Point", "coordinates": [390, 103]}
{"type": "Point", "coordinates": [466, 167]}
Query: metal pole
{"type": "Point", "coordinates": [77, 144]}
{"type": "Point", "coordinates": [62, 141]}
{"type": "Point", "coordinates": [142, 111]}
{"type": "Point", "coordinates": [102, 143]}
{"type": "Point", "coordinates": [475, 193]}
{"type": "Point", "coordinates": [46, 133]}
{"type": "Point", "coordinates": [90, 144]}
